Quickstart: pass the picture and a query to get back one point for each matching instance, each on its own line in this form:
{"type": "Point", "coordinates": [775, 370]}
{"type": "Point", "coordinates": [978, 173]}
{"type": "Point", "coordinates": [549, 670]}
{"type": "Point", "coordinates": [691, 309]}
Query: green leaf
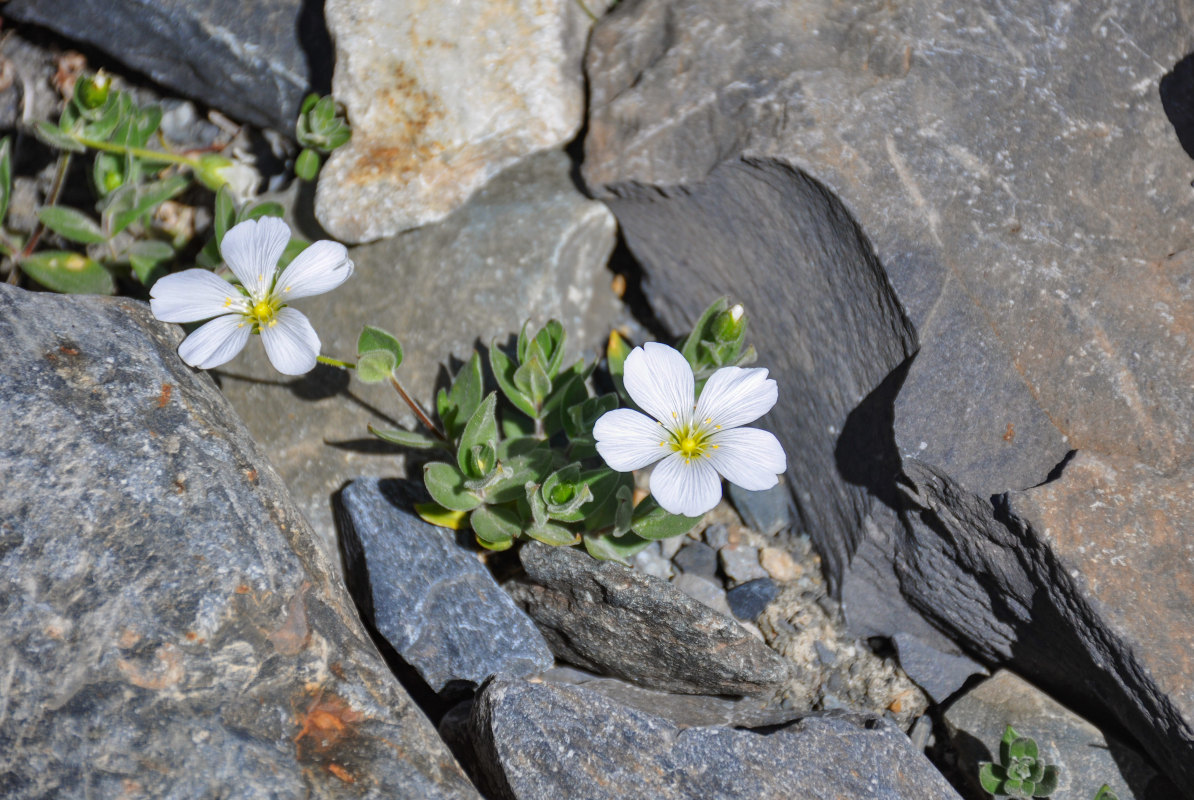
{"type": "Point", "coordinates": [991, 776]}
{"type": "Point", "coordinates": [531, 379]}
{"type": "Point", "coordinates": [605, 547]}
{"type": "Point", "coordinates": [1105, 793]}
{"type": "Point", "coordinates": [555, 535]}
{"type": "Point", "coordinates": [259, 210]}
{"type": "Point", "coordinates": [71, 224]}
{"type": "Point", "coordinates": [653, 522]}
{"type": "Point", "coordinates": [224, 215]}
{"type": "Point", "coordinates": [375, 366]}
{"type": "Point", "coordinates": [5, 176]}
{"type": "Point", "coordinates": [604, 484]}
{"type": "Point", "coordinates": [106, 174]}
{"type": "Point", "coordinates": [497, 548]}
{"type": "Point", "coordinates": [446, 485]}
{"type": "Point", "coordinates": [579, 420]}
{"type": "Point", "coordinates": [412, 439]}
{"type": "Point", "coordinates": [495, 524]}
{"type": "Point", "coordinates": [54, 136]}
{"type": "Point", "coordinates": [309, 102]}
{"type": "Point", "coordinates": [374, 339]}
{"type": "Point", "coordinates": [481, 430]}
{"type": "Point", "coordinates": [503, 372]}
{"type": "Point", "coordinates": [146, 256]}
{"type": "Point", "coordinates": [105, 121]}
{"type": "Point", "coordinates": [148, 197]}
{"type": "Point", "coordinates": [1048, 784]}
{"type": "Point", "coordinates": [307, 165]}
{"type": "Point", "coordinates": [443, 517]}
{"type": "Point", "coordinates": [1022, 747]}
{"type": "Point", "coordinates": [70, 273]}
{"type": "Point", "coordinates": [293, 248]}
{"type": "Point", "coordinates": [616, 351]}
{"type": "Point", "coordinates": [457, 405]}
{"type": "Point", "coordinates": [702, 330]}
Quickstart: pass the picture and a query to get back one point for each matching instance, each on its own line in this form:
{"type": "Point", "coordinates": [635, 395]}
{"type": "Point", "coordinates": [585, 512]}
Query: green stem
{"type": "Point", "coordinates": [335, 362]}
{"type": "Point", "coordinates": [423, 418]}
{"type": "Point", "coordinates": [51, 199]}
{"type": "Point", "coordinates": [139, 152]}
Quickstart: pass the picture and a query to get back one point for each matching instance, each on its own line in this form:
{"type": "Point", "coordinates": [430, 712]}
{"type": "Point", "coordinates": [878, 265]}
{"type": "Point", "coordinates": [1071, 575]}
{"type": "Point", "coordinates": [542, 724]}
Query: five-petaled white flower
{"type": "Point", "coordinates": [698, 439]}
{"type": "Point", "coordinates": [258, 304]}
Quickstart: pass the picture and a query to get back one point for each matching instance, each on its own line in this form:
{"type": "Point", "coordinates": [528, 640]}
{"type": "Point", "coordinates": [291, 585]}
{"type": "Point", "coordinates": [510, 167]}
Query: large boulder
{"type": "Point", "coordinates": [168, 625]}
{"type": "Point", "coordinates": [956, 230]}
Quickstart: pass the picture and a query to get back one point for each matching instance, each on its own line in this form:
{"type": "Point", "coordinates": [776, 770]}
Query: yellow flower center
{"type": "Point", "coordinates": [691, 439]}
{"type": "Point", "coordinates": [265, 312]}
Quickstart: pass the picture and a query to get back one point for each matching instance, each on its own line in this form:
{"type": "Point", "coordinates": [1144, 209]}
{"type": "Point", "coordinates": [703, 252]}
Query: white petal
{"type": "Point", "coordinates": [291, 343]}
{"type": "Point", "coordinates": [660, 381]}
{"type": "Point", "coordinates": [628, 440]}
{"type": "Point", "coordinates": [748, 457]}
{"type": "Point", "coordinates": [734, 396]}
{"type": "Point", "coordinates": [216, 342]}
{"type": "Point", "coordinates": [251, 250]}
{"type": "Point", "coordinates": [192, 295]}
{"type": "Point", "coordinates": [685, 487]}
{"type": "Point", "coordinates": [320, 268]}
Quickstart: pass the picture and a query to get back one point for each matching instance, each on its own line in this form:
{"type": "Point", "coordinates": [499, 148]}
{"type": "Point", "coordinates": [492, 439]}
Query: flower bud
{"type": "Point", "coordinates": [730, 324]}
{"type": "Point", "coordinates": [91, 92]}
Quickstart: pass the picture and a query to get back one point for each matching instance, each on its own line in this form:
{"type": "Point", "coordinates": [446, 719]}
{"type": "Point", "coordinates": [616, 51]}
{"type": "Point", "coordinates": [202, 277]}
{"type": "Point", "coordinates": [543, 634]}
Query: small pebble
{"type": "Point", "coordinates": [767, 511]}
{"type": "Point", "coordinates": [669, 547]}
{"type": "Point", "coordinates": [824, 654]}
{"type": "Point", "coordinates": [717, 536]}
{"type": "Point", "coordinates": [741, 563]}
{"type": "Point", "coordinates": [779, 564]}
{"type": "Point", "coordinates": [697, 558]}
{"type": "Point", "coordinates": [703, 591]}
{"type": "Point", "coordinates": [750, 599]}
{"type": "Point", "coordinates": [651, 561]}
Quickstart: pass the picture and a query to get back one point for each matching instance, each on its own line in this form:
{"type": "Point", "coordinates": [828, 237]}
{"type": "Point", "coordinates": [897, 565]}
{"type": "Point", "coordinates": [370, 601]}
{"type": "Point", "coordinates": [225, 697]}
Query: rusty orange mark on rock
{"type": "Point", "coordinates": [243, 589]}
{"type": "Point", "coordinates": [166, 673]}
{"type": "Point", "coordinates": [128, 638]}
{"type": "Point", "coordinates": [164, 397]}
{"type": "Point", "coordinates": [341, 773]}
{"type": "Point", "coordinates": [326, 722]}
{"type": "Point", "coordinates": [293, 635]}
{"type": "Point", "coordinates": [68, 351]}
{"type": "Point", "coordinates": [251, 474]}
{"type": "Point", "coordinates": [1010, 433]}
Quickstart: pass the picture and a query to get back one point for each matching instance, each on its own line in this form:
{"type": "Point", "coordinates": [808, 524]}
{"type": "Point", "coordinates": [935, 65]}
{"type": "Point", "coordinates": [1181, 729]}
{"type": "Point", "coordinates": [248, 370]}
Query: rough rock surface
{"type": "Point", "coordinates": [543, 740]}
{"type": "Point", "coordinates": [610, 620]}
{"type": "Point", "coordinates": [441, 98]}
{"type": "Point", "coordinates": [431, 599]}
{"type": "Point", "coordinates": [168, 626]}
{"type": "Point", "coordinates": [529, 245]}
{"type": "Point", "coordinates": [995, 190]}
{"type": "Point", "coordinates": [254, 60]}
{"type": "Point", "coordinates": [1087, 758]}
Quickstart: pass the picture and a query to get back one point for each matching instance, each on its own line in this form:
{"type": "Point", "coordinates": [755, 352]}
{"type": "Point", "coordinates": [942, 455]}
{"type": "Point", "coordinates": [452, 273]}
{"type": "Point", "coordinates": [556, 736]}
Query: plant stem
{"type": "Point", "coordinates": [139, 152]}
{"type": "Point", "coordinates": [335, 362]}
{"type": "Point", "coordinates": [423, 418]}
{"type": "Point", "coordinates": [51, 198]}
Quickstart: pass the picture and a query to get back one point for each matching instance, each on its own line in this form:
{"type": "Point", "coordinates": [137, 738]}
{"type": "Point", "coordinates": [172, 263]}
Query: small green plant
{"type": "Point", "coordinates": [1105, 793]}
{"type": "Point", "coordinates": [321, 128]}
{"type": "Point", "coordinates": [1020, 771]}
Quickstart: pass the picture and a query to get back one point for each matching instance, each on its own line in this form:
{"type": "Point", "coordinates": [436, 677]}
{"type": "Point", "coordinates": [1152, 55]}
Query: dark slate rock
{"type": "Point", "coordinates": [767, 511]}
{"type": "Point", "coordinates": [1020, 241]}
{"type": "Point", "coordinates": [749, 599]}
{"type": "Point", "coordinates": [683, 710]}
{"type": "Point", "coordinates": [254, 60]}
{"type": "Point", "coordinates": [544, 740]}
{"type": "Point", "coordinates": [603, 617]}
{"type": "Point", "coordinates": [697, 558]}
{"type": "Point", "coordinates": [431, 599]}
{"type": "Point", "coordinates": [939, 674]}
{"type": "Point", "coordinates": [168, 626]}
{"type": "Point", "coordinates": [1088, 759]}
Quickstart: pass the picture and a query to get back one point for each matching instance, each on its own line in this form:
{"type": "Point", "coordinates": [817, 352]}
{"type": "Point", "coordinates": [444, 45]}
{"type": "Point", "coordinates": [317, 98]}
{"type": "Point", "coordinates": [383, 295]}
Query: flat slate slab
{"type": "Point", "coordinates": [430, 598]}
{"type": "Point", "coordinates": [168, 626]}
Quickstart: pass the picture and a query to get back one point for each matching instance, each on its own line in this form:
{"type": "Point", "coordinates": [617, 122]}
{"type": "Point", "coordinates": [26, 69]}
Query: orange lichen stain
{"type": "Point", "coordinates": [326, 722]}
{"type": "Point", "coordinates": [194, 637]}
{"type": "Point", "coordinates": [1010, 433]}
{"type": "Point", "coordinates": [341, 773]}
{"type": "Point", "coordinates": [292, 637]}
{"type": "Point", "coordinates": [128, 638]}
{"type": "Point", "coordinates": [896, 706]}
{"type": "Point", "coordinates": [243, 589]}
{"type": "Point", "coordinates": [54, 631]}
{"type": "Point", "coordinates": [68, 351]}
{"type": "Point", "coordinates": [180, 486]}
{"type": "Point", "coordinates": [337, 669]}
{"type": "Point", "coordinates": [164, 396]}
{"type": "Point", "coordinates": [251, 474]}
{"type": "Point", "coordinates": [166, 673]}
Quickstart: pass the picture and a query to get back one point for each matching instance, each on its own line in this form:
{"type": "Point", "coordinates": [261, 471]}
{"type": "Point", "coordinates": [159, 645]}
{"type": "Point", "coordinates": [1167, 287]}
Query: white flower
{"type": "Point", "coordinates": [700, 442]}
{"type": "Point", "coordinates": [259, 304]}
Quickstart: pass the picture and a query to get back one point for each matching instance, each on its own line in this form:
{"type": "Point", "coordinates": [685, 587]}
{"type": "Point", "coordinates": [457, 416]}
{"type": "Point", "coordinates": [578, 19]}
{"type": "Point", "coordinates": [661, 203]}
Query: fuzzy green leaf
{"type": "Point", "coordinates": [443, 517]}
{"type": "Point", "coordinates": [69, 273]}
{"type": "Point", "coordinates": [652, 522]}
{"type": "Point", "coordinates": [374, 340]}
{"type": "Point", "coordinates": [1047, 785]}
{"type": "Point", "coordinates": [457, 405]}
{"type": "Point", "coordinates": [307, 165]}
{"type": "Point", "coordinates": [503, 371]}
{"type": "Point", "coordinates": [224, 215]}
{"type": "Point", "coordinates": [148, 197]}
{"type": "Point", "coordinates": [54, 136]}
{"type": "Point", "coordinates": [702, 330]}
{"type": "Point", "coordinates": [991, 776]}
{"type": "Point", "coordinates": [5, 176]}
{"type": "Point", "coordinates": [605, 547]}
{"type": "Point", "coordinates": [412, 439]}
{"type": "Point", "coordinates": [495, 524]}
{"type": "Point", "coordinates": [446, 485]}
{"type": "Point", "coordinates": [71, 224]}
{"type": "Point", "coordinates": [375, 366]}
{"type": "Point", "coordinates": [481, 430]}
{"type": "Point", "coordinates": [555, 535]}
{"type": "Point", "coordinates": [147, 256]}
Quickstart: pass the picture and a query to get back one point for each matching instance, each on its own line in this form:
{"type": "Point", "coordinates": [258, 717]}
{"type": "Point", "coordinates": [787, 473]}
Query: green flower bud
{"type": "Point", "coordinates": [730, 324]}
{"type": "Point", "coordinates": [91, 92]}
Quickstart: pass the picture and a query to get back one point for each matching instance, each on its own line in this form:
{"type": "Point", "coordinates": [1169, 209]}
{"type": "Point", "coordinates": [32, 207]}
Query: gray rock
{"type": "Point", "coordinates": [683, 710]}
{"type": "Point", "coordinates": [1004, 211]}
{"type": "Point", "coordinates": [168, 626]}
{"type": "Point", "coordinates": [603, 617]}
{"type": "Point", "coordinates": [650, 561]}
{"type": "Point", "coordinates": [529, 245]}
{"type": "Point", "coordinates": [939, 674]}
{"type": "Point", "coordinates": [750, 599]}
{"type": "Point", "coordinates": [704, 590]}
{"type": "Point", "coordinates": [716, 535]}
{"type": "Point", "coordinates": [767, 511]}
{"type": "Point", "coordinates": [740, 563]}
{"type": "Point", "coordinates": [441, 99]}
{"type": "Point", "coordinates": [254, 60]}
{"type": "Point", "coordinates": [697, 558]}
{"type": "Point", "coordinates": [544, 740]}
{"type": "Point", "coordinates": [431, 599]}
{"type": "Point", "coordinates": [1087, 759]}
